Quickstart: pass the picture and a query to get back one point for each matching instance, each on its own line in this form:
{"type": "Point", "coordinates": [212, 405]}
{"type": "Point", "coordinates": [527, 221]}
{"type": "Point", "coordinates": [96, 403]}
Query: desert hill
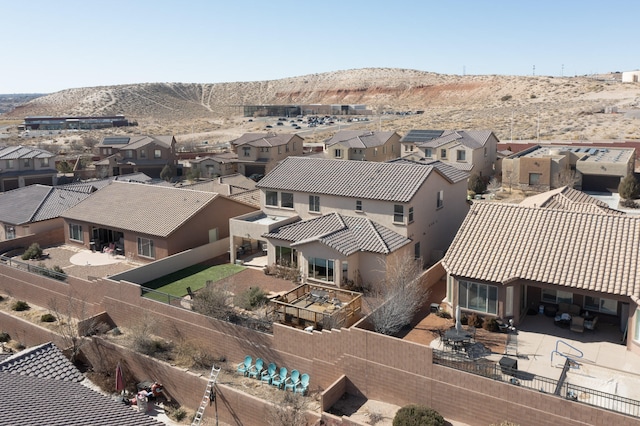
{"type": "Point", "coordinates": [517, 107]}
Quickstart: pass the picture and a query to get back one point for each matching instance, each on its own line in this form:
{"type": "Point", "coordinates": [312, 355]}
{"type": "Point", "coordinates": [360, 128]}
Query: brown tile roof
{"type": "Point", "coordinates": [347, 178]}
{"type": "Point", "coordinates": [504, 242]}
{"type": "Point", "coordinates": [147, 209]}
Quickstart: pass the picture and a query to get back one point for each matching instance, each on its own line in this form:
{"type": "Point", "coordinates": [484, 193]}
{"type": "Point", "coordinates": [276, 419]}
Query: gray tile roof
{"type": "Point", "coordinates": [136, 142]}
{"type": "Point", "coordinates": [359, 138]}
{"type": "Point", "coordinates": [416, 135]}
{"type": "Point", "coordinates": [15, 152]}
{"type": "Point", "coordinates": [347, 178]}
{"type": "Point", "coordinates": [44, 361]}
{"type": "Point", "coordinates": [469, 138]}
{"type": "Point", "coordinates": [566, 198]}
{"type": "Point", "coordinates": [146, 209]}
{"type": "Point", "coordinates": [264, 139]}
{"type": "Point", "coordinates": [251, 197]}
{"type": "Point", "coordinates": [345, 234]}
{"type": "Point", "coordinates": [57, 202]}
{"type": "Point", "coordinates": [504, 242]}
{"type": "Point", "coordinates": [448, 171]}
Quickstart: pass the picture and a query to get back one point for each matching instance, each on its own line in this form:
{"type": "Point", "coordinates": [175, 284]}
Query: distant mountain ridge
{"type": "Point", "coordinates": [488, 101]}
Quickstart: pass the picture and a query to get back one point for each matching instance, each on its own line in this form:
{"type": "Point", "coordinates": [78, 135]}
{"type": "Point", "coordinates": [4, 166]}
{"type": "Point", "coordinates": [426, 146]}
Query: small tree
{"type": "Point", "coordinates": [33, 252]}
{"type": "Point", "coordinates": [64, 167]}
{"type": "Point", "coordinates": [213, 301]}
{"type": "Point", "coordinates": [167, 173]}
{"type": "Point", "coordinates": [396, 299]}
{"type": "Point", "coordinates": [629, 188]}
{"type": "Point", "coordinates": [477, 184]}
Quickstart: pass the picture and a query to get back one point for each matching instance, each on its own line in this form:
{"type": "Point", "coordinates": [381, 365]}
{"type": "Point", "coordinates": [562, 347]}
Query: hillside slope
{"type": "Point", "coordinates": [518, 107]}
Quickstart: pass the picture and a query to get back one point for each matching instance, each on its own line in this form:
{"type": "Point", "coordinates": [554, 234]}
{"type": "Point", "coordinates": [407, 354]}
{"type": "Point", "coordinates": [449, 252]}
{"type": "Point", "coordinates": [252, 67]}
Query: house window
{"type": "Point", "coordinates": [44, 162]}
{"type": "Point", "coordinates": [75, 232]}
{"type": "Point", "coordinates": [9, 164]}
{"type": "Point", "coordinates": [461, 155]}
{"type": "Point", "coordinates": [440, 200]}
{"type": "Point", "coordinates": [485, 151]}
{"type": "Point", "coordinates": [143, 153]}
{"type": "Point", "coordinates": [443, 153]}
{"type": "Point", "coordinates": [321, 269]}
{"type": "Point", "coordinates": [408, 147]}
{"type": "Point", "coordinates": [358, 205]}
{"type": "Point", "coordinates": [9, 232]}
{"type": "Point", "coordinates": [478, 297]}
{"type": "Point", "coordinates": [410, 214]}
{"type": "Point", "coordinates": [598, 304]}
{"type": "Point", "coordinates": [128, 153]}
{"type": "Point", "coordinates": [286, 256]}
{"type": "Point", "coordinates": [556, 296]}
{"type": "Point", "coordinates": [286, 200]}
{"type": "Point", "coordinates": [246, 151]}
{"type": "Point", "coordinates": [27, 162]}
{"type": "Point", "coordinates": [271, 198]}
{"type": "Point", "coordinates": [337, 153]}
{"type": "Point", "coordinates": [416, 250]}
{"type": "Point", "coordinates": [145, 248]}
{"type": "Point", "coordinates": [398, 213]}
{"type": "Point", "coordinates": [286, 148]}
{"type": "Point", "coordinates": [534, 178]}
{"type": "Point", "coordinates": [375, 152]}
{"type": "Point", "coordinates": [428, 153]}
{"type": "Point", "coordinates": [279, 149]}
{"type": "Point", "coordinates": [157, 153]}
{"type": "Point", "coordinates": [294, 146]}
{"type": "Point", "coordinates": [314, 203]}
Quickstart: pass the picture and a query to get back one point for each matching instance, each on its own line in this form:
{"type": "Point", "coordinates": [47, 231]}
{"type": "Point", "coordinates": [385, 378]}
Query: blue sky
{"type": "Point", "coordinates": [56, 45]}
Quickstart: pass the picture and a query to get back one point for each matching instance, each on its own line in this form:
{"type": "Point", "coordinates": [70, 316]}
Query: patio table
{"type": "Point", "coordinates": [458, 339]}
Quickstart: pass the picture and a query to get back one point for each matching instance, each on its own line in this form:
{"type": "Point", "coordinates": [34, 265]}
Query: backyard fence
{"type": "Point", "coordinates": [35, 269]}
{"type": "Point", "coordinates": [507, 374]}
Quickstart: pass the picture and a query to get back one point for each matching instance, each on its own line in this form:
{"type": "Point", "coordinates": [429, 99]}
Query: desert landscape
{"type": "Point", "coordinates": [513, 107]}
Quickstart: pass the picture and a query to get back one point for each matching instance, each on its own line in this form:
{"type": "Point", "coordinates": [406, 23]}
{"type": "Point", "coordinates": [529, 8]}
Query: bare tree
{"type": "Point", "coordinates": [569, 178]}
{"type": "Point", "coordinates": [73, 324]}
{"type": "Point", "coordinates": [214, 300]}
{"type": "Point", "coordinates": [289, 412]}
{"type": "Point", "coordinates": [395, 300]}
{"type": "Point", "coordinates": [494, 185]}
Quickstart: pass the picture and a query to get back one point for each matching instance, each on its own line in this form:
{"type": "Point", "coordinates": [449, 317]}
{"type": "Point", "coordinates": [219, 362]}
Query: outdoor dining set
{"type": "Point", "coordinates": [281, 379]}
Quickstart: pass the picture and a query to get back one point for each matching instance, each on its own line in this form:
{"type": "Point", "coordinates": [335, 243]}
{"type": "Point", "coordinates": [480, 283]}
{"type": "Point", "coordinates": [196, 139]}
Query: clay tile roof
{"type": "Point", "coordinates": [590, 251]}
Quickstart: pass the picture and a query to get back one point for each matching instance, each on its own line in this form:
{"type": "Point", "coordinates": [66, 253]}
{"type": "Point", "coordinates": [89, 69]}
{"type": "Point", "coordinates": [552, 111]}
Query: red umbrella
{"type": "Point", "coordinates": [119, 379]}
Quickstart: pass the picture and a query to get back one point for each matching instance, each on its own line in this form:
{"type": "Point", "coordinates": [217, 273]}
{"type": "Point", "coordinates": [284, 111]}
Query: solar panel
{"type": "Point", "coordinates": [115, 141]}
{"type": "Point", "coordinates": [422, 135]}
{"type": "Point", "coordinates": [593, 151]}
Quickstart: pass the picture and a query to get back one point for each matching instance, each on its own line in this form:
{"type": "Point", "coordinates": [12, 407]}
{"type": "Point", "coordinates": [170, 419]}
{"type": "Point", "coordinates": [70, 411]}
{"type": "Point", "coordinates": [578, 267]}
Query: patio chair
{"type": "Point", "coordinates": [268, 374]}
{"type": "Point", "coordinates": [244, 366]}
{"type": "Point", "coordinates": [446, 343]}
{"type": "Point", "coordinates": [292, 381]}
{"type": "Point", "coordinates": [303, 386]}
{"type": "Point", "coordinates": [278, 380]}
{"type": "Point", "coordinates": [591, 324]}
{"type": "Point", "coordinates": [577, 324]}
{"type": "Point", "coordinates": [256, 368]}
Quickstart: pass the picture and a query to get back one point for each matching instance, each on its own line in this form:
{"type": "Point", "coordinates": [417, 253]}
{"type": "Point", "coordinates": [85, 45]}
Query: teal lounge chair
{"type": "Point", "coordinates": [292, 381]}
{"type": "Point", "coordinates": [279, 380]}
{"type": "Point", "coordinates": [303, 386]}
{"type": "Point", "coordinates": [256, 368]}
{"type": "Point", "coordinates": [268, 374]}
{"type": "Point", "coordinates": [244, 367]}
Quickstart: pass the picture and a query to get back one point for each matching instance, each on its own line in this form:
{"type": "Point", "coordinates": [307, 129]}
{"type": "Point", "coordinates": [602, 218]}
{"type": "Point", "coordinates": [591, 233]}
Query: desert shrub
{"type": "Point", "coordinates": [4, 337]}
{"type": "Point", "coordinates": [629, 204]}
{"type": "Point", "coordinates": [444, 314]}
{"type": "Point", "coordinates": [474, 320]}
{"type": "Point", "coordinates": [56, 272]}
{"type": "Point", "coordinates": [178, 414]}
{"type": "Point", "coordinates": [251, 298]}
{"type": "Point", "coordinates": [629, 188]}
{"type": "Point", "coordinates": [533, 96]}
{"type": "Point", "coordinates": [375, 418]}
{"type": "Point", "coordinates": [418, 415]}
{"type": "Point", "coordinates": [33, 252]}
{"type": "Point", "coordinates": [20, 305]}
{"type": "Point", "coordinates": [506, 98]}
{"type": "Point", "coordinates": [48, 318]}
{"type": "Point", "coordinates": [213, 301]}
{"type": "Point", "coordinates": [490, 324]}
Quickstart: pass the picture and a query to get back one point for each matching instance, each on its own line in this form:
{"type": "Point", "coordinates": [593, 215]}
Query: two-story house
{"type": "Point", "coordinates": [340, 220]}
{"type": "Point", "coordinates": [473, 151]}
{"type": "Point", "coordinates": [258, 153]}
{"type": "Point", "coordinates": [22, 166]}
{"type": "Point", "coordinates": [212, 165]}
{"type": "Point", "coordinates": [132, 154]}
{"type": "Point", "coordinates": [363, 145]}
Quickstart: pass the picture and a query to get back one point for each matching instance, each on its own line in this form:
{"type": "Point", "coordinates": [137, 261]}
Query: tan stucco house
{"type": "Point", "coordinates": [22, 166]}
{"type": "Point", "coordinates": [363, 145]}
{"type": "Point", "coordinates": [258, 153]}
{"type": "Point", "coordinates": [149, 222]}
{"type": "Point", "coordinates": [121, 155]}
{"type": "Point", "coordinates": [339, 220]}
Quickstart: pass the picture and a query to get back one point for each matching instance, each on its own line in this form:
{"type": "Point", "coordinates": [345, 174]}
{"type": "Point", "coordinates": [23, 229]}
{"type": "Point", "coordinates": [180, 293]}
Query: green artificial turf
{"type": "Point", "coordinates": [195, 276]}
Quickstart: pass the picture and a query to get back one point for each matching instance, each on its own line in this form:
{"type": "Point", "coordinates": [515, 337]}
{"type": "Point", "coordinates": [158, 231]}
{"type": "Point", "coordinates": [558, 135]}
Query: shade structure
{"type": "Point", "coordinates": [119, 379]}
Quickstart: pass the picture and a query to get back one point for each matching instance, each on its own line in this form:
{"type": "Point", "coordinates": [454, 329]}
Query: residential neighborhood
{"type": "Point", "coordinates": [325, 237]}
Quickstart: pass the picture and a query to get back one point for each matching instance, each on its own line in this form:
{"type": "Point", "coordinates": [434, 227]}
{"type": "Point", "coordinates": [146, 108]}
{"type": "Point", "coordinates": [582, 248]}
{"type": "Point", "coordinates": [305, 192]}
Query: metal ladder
{"type": "Point", "coordinates": [207, 398]}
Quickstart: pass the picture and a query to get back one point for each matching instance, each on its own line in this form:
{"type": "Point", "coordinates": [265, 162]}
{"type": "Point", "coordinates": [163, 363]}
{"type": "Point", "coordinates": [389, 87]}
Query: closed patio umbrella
{"type": "Point", "coordinates": [119, 379]}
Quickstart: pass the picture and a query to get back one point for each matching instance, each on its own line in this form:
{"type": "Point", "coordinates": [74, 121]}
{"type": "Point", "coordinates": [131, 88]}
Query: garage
{"type": "Point", "coordinates": [599, 183]}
